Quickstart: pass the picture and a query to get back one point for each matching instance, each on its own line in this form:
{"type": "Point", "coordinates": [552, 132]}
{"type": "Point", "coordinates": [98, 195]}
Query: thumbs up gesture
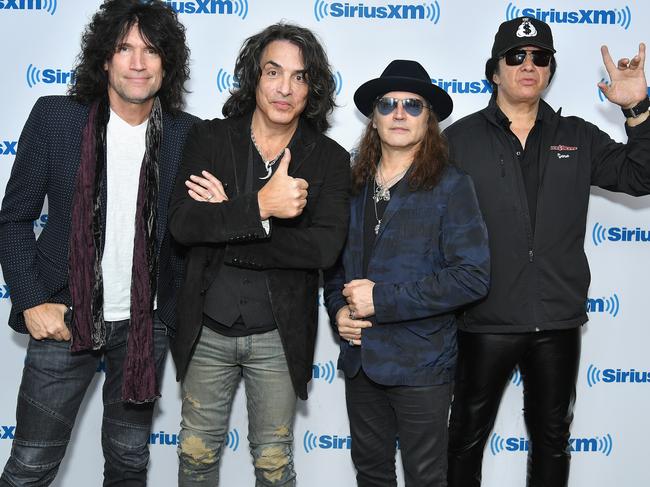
{"type": "Point", "coordinates": [283, 196]}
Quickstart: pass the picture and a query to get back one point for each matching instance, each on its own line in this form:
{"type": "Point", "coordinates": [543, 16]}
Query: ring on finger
{"type": "Point", "coordinates": [210, 196]}
{"type": "Point", "coordinates": [351, 342]}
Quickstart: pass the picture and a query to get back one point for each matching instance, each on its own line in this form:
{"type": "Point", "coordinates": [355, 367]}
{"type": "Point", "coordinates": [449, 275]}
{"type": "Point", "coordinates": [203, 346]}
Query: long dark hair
{"type": "Point", "coordinates": [320, 99]}
{"type": "Point", "coordinates": [159, 27]}
{"type": "Point", "coordinates": [428, 163]}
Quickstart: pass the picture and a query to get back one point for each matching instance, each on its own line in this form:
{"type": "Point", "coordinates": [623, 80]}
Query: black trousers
{"type": "Point", "coordinates": [417, 414]}
{"type": "Point", "coordinates": [548, 362]}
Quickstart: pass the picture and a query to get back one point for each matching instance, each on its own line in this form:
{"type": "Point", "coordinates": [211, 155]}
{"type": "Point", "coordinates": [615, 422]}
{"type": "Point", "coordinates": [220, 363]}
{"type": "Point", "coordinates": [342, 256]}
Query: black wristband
{"type": "Point", "coordinates": [638, 109]}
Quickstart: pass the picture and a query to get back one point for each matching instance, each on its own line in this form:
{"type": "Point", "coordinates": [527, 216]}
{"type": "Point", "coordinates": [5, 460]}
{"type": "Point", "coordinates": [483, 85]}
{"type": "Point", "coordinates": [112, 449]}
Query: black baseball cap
{"type": "Point", "coordinates": [522, 31]}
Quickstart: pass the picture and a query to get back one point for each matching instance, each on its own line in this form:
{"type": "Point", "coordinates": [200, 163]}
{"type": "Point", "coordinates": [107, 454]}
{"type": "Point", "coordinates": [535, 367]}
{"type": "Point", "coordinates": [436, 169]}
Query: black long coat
{"type": "Point", "coordinates": [231, 232]}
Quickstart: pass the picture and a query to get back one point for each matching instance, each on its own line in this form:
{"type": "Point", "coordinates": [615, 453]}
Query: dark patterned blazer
{"type": "Point", "coordinates": [46, 165]}
{"type": "Point", "coordinates": [430, 257]}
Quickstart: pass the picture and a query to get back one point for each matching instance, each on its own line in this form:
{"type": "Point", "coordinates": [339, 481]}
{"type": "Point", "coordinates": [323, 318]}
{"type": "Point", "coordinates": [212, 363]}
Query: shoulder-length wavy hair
{"type": "Point", "coordinates": [159, 27]}
{"type": "Point", "coordinates": [428, 163]}
{"type": "Point", "coordinates": [320, 98]}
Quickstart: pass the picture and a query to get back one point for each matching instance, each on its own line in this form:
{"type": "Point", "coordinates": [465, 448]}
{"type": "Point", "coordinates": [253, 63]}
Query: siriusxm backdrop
{"type": "Point", "coordinates": [452, 40]}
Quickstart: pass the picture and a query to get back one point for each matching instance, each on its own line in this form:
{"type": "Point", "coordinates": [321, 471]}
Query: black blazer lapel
{"type": "Point", "coordinates": [239, 143]}
{"type": "Point", "coordinates": [355, 234]}
{"type": "Point", "coordinates": [302, 145]}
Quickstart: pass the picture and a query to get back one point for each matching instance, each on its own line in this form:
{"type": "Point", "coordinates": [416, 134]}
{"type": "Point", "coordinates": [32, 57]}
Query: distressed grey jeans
{"type": "Point", "coordinates": [208, 390]}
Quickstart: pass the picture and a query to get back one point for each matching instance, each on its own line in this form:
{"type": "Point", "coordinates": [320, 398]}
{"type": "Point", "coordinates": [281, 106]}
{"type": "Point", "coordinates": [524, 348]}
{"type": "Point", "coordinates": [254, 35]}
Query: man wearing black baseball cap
{"type": "Point", "coordinates": [533, 169]}
{"type": "Point", "coordinates": [416, 250]}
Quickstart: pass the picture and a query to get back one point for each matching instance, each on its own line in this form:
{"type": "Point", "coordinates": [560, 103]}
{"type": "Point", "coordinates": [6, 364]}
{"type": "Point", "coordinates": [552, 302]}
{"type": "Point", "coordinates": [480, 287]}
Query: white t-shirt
{"type": "Point", "coordinates": [125, 148]}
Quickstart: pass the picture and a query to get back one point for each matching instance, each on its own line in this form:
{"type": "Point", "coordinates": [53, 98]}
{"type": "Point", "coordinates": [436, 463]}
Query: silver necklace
{"type": "Point", "coordinates": [382, 191]}
{"type": "Point", "coordinates": [375, 199]}
{"type": "Point", "coordinates": [268, 165]}
{"type": "Point", "coordinates": [382, 186]}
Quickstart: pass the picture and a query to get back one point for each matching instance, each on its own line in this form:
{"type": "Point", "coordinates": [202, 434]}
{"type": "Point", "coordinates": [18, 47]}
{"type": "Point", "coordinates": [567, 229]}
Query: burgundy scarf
{"type": "Point", "coordinates": [85, 259]}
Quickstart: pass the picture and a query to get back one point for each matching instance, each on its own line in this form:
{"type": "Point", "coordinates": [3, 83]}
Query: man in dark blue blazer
{"type": "Point", "coordinates": [101, 278]}
{"type": "Point", "coordinates": [417, 250]}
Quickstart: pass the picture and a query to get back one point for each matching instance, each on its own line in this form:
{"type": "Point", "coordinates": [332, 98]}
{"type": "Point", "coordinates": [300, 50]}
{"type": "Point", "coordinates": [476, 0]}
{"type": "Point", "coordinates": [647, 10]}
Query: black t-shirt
{"type": "Point", "coordinates": [528, 160]}
{"type": "Point", "coordinates": [371, 219]}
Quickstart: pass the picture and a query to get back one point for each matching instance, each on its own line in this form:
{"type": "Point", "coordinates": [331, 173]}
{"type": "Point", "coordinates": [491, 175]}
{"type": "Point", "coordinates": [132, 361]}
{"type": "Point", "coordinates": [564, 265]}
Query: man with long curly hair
{"type": "Point", "coordinates": [101, 279]}
{"type": "Point", "coordinates": [262, 201]}
{"type": "Point", "coordinates": [417, 250]}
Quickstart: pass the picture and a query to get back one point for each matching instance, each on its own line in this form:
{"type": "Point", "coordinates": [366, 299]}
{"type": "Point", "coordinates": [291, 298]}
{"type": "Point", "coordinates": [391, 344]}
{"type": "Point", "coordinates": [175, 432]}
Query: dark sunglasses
{"type": "Point", "coordinates": [413, 106]}
{"type": "Point", "coordinates": [518, 56]}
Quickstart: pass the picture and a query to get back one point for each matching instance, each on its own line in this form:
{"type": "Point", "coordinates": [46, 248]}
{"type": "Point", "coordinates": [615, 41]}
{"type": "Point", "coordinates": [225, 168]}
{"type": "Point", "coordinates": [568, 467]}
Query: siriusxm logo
{"type": "Point", "coordinates": [171, 439]}
{"type": "Point", "coordinates": [226, 81]}
{"type": "Point", "coordinates": [4, 291]}
{"type": "Point", "coordinates": [101, 366]}
{"type": "Point", "coordinates": [461, 87]}
{"type": "Point", "coordinates": [8, 147]}
{"type": "Point", "coordinates": [325, 372]}
{"type": "Point", "coordinates": [602, 98]}
{"type": "Point", "coordinates": [428, 11]}
{"type": "Point", "coordinates": [211, 7]}
{"type": "Point", "coordinates": [338, 82]}
{"type": "Point", "coordinates": [7, 432]}
{"type": "Point", "coordinates": [618, 16]}
{"type": "Point", "coordinates": [516, 377]}
{"type": "Point", "coordinates": [616, 376]}
{"type": "Point", "coordinates": [601, 234]}
{"type": "Point", "coordinates": [596, 444]}
{"type": "Point", "coordinates": [312, 441]}
{"type": "Point", "coordinates": [48, 76]}
{"type": "Point", "coordinates": [610, 305]}
{"type": "Point", "coordinates": [46, 5]}
{"type": "Point", "coordinates": [40, 222]}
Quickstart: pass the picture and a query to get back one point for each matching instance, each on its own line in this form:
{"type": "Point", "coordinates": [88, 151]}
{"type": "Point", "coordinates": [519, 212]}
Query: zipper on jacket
{"type": "Point", "coordinates": [531, 255]}
{"type": "Point", "coordinates": [503, 166]}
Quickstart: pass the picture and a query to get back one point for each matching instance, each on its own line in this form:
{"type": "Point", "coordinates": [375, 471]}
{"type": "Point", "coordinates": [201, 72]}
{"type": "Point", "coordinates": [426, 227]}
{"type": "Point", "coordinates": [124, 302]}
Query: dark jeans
{"type": "Point", "coordinates": [417, 414]}
{"type": "Point", "coordinates": [548, 362]}
{"type": "Point", "coordinates": [52, 388]}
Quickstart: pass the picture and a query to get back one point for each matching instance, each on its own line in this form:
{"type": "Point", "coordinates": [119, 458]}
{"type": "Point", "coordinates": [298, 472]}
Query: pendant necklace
{"type": "Point", "coordinates": [381, 191]}
{"type": "Point", "coordinates": [268, 164]}
{"type": "Point", "coordinates": [375, 200]}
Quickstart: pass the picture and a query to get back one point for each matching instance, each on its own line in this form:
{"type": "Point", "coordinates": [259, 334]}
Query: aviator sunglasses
{"type": "Point", "coordinates": [413, 106]}
{"type": "Point", "coordinates": [516, 57]}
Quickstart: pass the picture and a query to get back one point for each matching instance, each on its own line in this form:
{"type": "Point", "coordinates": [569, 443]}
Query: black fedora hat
{"type": "Point", "coordinates": [403, 75]}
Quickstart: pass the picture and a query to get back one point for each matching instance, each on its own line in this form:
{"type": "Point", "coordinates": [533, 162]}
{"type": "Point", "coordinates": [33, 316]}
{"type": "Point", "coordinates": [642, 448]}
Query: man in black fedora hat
{"type": "Point", "coordinates": [416, 251]}
{"type": "Point", "coordinates": [533, 169]}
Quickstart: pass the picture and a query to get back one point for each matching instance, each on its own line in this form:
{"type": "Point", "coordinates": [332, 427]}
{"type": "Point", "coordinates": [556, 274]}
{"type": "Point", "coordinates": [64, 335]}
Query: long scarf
{"type": "Point", "coordinates": [86, 241]}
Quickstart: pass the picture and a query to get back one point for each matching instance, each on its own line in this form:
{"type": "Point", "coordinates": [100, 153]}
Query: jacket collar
{"type": "Point", "coordinates": [545, 113]}
{"type": "Point", "coordinates": [550, 120]}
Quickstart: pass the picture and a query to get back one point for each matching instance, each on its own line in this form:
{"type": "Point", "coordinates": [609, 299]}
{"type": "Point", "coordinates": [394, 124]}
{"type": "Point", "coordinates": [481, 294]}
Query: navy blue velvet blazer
{"type": "Point", "coordinates": [430, 257]}
{"type": "Point", "coordinates": [46, 164]}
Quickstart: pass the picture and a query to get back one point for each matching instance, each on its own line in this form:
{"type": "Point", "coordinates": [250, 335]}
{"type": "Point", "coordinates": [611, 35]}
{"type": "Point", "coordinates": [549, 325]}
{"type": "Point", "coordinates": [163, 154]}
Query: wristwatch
{"type": "Point", "coordinates": [638, 109]}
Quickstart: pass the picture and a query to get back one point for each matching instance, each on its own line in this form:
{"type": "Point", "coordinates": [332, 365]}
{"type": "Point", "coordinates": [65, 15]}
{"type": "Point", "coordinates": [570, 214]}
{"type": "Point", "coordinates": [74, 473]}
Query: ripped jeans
{"type": "Point", "coordinates": [208, 390]}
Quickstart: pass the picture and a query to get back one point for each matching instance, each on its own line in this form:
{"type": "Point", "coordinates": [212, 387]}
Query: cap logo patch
{"type": "Point", "coordinates": [526, 29]}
